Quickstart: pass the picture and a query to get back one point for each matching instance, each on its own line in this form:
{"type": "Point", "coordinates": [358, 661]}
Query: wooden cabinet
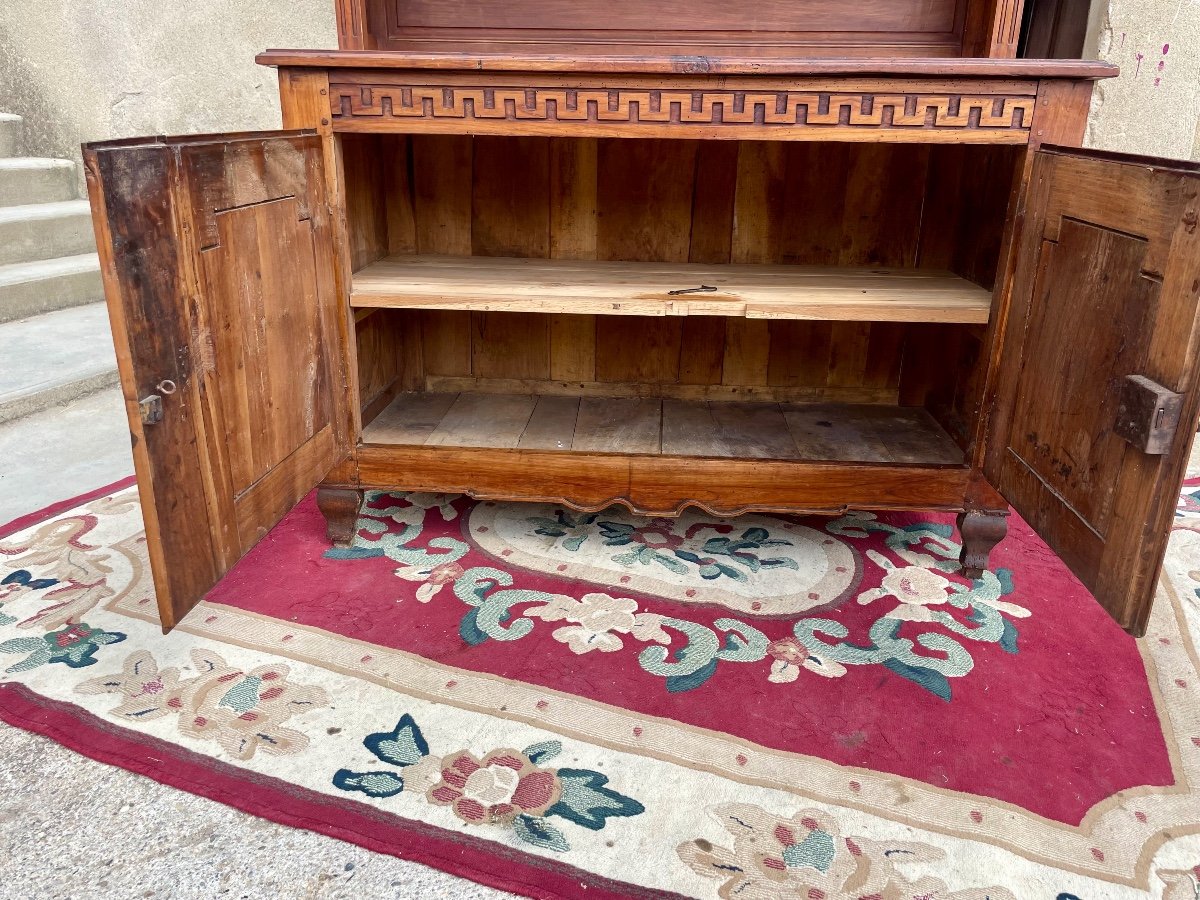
{"type": "Point", "coordinates": [755, 282]}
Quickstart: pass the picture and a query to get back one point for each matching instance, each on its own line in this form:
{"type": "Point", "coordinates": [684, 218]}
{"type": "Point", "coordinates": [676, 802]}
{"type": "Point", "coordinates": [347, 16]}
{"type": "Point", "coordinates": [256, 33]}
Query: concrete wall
{"type": "Point", "coordinates": [117, 68]}
{"type": "Point", "coordinates": [1154, 106]}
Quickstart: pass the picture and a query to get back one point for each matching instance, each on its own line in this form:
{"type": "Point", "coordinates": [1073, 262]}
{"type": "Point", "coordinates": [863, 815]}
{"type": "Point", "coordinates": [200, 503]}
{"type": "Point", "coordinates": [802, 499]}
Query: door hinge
{"type": "Point", "coordinates": [151, 409]}
{"type": "Point", "coordinates": [1148, 414]}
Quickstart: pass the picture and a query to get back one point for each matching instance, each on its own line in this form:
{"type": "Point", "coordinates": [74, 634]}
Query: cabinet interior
{"type": "Point", "coordinates": [515, 292]}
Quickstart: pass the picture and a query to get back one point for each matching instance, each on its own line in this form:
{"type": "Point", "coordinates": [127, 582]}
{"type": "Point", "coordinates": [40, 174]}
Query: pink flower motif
{"type": "Point", "coordinates": [496, 789]}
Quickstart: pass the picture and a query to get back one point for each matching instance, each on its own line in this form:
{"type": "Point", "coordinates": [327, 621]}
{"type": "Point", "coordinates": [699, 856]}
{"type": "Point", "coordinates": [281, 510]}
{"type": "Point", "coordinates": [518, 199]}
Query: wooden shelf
{"type": "Point", "coordinates": [841, 432]}
{"type": "Point", "coordinates": [502, 284]}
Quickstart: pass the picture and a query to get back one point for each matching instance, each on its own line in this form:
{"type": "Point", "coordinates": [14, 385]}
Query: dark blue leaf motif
{"type": "Point", "coordinates": [25, 577]}
{"type": "Point", "coordinates": [586, 801]}
{"type": "Point", "coordinates": [540, 833]}
{"type": "Point", "coordinates": [930, 679]}
{"type": "Point", "coordinates": [1005, 577]}
{"type": "Point", "coordinates": [402, 746]}
{"type": "Point", "coordinates": [540, 752]}
{"type": "Point", "coordinates": [373, 784]}
{"type": "Point", "coordinates": [1008, 640]}
{"type": "Point", "coordinates": [469, 631]}
{"type": "Point", "coordinates": [353, 553]}
{"type": "Point", "coordinates": [679, 684]}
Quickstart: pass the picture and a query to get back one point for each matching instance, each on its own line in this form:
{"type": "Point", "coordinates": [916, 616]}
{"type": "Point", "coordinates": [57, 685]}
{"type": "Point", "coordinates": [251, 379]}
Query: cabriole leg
{"type": "Point", "coordinates": [981, 531]}
{"type": "Point", "coordinates": [340, 508]}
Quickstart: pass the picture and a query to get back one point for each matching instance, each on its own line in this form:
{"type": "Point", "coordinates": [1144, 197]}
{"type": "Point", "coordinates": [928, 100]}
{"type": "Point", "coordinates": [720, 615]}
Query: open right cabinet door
{"type": "Point", "coordinates": [1095, 403]}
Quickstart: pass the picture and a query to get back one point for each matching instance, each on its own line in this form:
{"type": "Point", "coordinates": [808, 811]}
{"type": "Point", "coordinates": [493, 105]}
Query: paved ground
{"type": "Point", "coordinates": [71, 827]}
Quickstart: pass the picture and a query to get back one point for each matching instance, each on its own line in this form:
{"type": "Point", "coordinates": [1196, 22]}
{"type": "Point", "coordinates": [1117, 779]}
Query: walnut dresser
{"type": "Point", "coordinates": [833, 256]}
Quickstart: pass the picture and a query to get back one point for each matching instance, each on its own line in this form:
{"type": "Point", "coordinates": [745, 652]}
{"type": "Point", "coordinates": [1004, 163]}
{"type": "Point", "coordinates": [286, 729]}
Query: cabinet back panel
{"type": "Point", "coordinates": [679, 201]}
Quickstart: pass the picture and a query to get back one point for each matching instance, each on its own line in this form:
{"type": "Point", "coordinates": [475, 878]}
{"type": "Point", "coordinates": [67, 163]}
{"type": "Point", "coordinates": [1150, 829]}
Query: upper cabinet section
{"type": "Point", "coordinates": [764, 29]}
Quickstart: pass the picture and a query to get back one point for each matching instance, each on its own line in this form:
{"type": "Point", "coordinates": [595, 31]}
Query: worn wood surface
{"type": "Point", "coordinates": [1105, 288]}
{"type": "Point", "coordinates": [657, 485]}
{"type": "Point", "coordinates": [715, 64]}
{"type": "Point", "coordinates": [646, 425]}
{"type": "Point", "coordinates": [218, 264]}
{"type": "Point", "coordinates": [502, 284]}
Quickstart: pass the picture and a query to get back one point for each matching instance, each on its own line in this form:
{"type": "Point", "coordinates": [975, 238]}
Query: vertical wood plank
{"type": "Point", "coordinates": [712, 203]}
{"type": "Point", "coordinates": [401, 215]}
{"type": "Point", "coordinates": [510, 213]}
{"type": "Point", "coordinates": [799, 354]}
{"type": "Point", "coordinates": [646, 350]}
{"type": "Point", "coordinates": [644, 199]}
{"type": "Point", "coordinates": [573, 198]}
{"type": "Point", "coordinates": [885, 193]}
{"type": "Point", "coordinates": [814, 202]}
{"type": "Point", "coordinates": [366, 212]}
{"type": "Point", "coordinates": [848, 354]}
{"type": "Point", "coordinates": [510, 345]}
{"type": "Point", "coordinates": [442, 191]}
{"type": "Point", "coordinates": [702, 350]}
{"type": "Point", "coordinates": [446, 342]}
{"type": "Point", "coordinates": [572, 348]}
{"type": "Point", "coordinates": [747, 345]}
{"type": "Point", "coordinates": [757, 223]}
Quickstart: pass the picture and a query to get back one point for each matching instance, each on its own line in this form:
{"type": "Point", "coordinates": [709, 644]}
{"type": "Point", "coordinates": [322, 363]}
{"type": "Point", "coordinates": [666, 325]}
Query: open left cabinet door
{"type": "Point", "coordinates": [218, 265]}
{"type": "Point", "coordinates": [1095, 406]}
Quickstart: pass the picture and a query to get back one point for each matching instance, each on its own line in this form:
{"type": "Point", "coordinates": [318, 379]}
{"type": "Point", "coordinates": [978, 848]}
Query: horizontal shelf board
{"type": "Point", "coordinates": [502, 284]}
{"type": "Point", "coordinates": [834, 432]}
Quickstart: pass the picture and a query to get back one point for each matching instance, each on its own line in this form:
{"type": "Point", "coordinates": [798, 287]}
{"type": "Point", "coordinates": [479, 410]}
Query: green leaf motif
{"type": "Point", "coordinates": [540, 752]}
{"type": "Point", "coordinates": [402, 746]}
{"type": "Point", "coordinates": [816, 851]}
{"type": "Point", "coordinates": [540, 833]}
{"type": "Point", "coordinates": [373, 784]}
{"type": "Point", "coordinates": [586, 801]}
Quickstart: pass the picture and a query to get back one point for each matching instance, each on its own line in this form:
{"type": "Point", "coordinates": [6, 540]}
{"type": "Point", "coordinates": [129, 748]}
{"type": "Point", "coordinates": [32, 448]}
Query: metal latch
{"type": "Point", "coordinates": [1148, 414]}
{"type": "Point", "coordinates": [151, 409]}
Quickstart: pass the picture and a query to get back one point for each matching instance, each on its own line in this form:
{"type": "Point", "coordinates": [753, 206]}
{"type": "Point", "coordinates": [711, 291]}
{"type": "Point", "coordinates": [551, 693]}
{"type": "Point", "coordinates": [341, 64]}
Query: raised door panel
{"type": "Point", "coordinates": [1104, 304]}
{"type": "Point", "coordinates": [218, 266]}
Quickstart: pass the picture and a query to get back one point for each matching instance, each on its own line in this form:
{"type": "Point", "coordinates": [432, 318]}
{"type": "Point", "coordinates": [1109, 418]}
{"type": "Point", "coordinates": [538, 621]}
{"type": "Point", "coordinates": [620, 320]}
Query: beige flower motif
{"type": "Point", "coordinates": [599, 620]}
{"type": "Point", "coordinates": [916, 588]}
{"type": "Point", "coordinates": [808, 856]}
{"type": "Point", "coordinates": [435, 578]}
{"type": "Point", "coordinates": [244, 712]}
{"type": "Point", "coordinates": [144, 687]}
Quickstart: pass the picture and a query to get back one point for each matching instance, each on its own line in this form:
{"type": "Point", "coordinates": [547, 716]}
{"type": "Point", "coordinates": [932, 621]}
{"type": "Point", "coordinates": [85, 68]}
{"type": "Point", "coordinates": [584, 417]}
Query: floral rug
{"type": "Point", "coordinates": [766, 707]}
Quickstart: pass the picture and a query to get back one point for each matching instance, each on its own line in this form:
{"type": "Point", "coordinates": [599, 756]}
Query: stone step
{"type": "Point", "coordinates": [29, 179]}
{"type": "Point", "coordinates": [10, 134]}
{"type": "Point", "coordinates": [55, 358]}
{"type": "Point", "coordinates": [30, 288]}
{"type": "Point", "coordinates": [45, 231]}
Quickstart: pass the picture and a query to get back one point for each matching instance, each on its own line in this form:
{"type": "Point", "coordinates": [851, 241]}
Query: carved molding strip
{"type": "Point", "coordinates": [625, 106]}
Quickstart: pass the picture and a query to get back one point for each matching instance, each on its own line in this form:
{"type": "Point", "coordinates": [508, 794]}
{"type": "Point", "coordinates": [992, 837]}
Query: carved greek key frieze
{"type": "Point", "coordinates": [624, 106]}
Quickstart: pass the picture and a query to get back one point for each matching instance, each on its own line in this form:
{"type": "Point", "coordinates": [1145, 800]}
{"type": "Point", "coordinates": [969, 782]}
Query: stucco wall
{"type": "Point", "coordinates": [1154, 106]}
{"type": "Point", "coordinates": [117, 68]}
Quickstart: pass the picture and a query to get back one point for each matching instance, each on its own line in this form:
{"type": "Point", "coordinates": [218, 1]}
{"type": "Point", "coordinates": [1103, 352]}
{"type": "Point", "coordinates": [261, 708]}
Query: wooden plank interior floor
{"type": "Point", "coordinates": [843, 432]}
{"type": "Point", "coordinates": [503, 284]}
